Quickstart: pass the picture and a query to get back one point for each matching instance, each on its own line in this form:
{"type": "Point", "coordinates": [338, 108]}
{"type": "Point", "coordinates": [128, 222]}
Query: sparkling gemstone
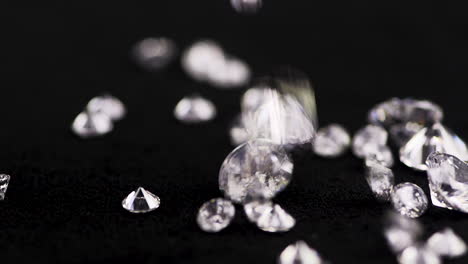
{"type": "Point", "coordinates": [141, 201]}
{"type": "Point", "coordinates": [108, 105]}
{"type": "Point", "coordinates": [255, 166]}
{"type": "Point", "coordinates": [254, 209]}
{"type": "Point", "coordinates": [448, 181]}
{"type": "Point", "coordinates": [446, 243]}
{"type": "Point", "coordinates": [154, 54]}
{"type": "Point", "coordinates": [215, 215]}
{"type": "Point", "coordinates": [430, 139]}
{"type": "Point", "coordinates": [246, 6]}
{"type": "Point", "coordinates": [380, 179]}
{"type": "Point", "coordinates": [369, 135]}
{"type": "Point", "coordinates": [401, 232]}
{"type": "Point", "coordinates": [194, 109]}
{"type": "Point", "coordinates": [4, 181]}
{"type": "Point", "coordinates": [409, 199]}
{"type": "Point", "coordinates": [331, 141]}
{"type": "Point", "coordinates": [88, 124]}
{"type": "Point", "coordinates": [275, 219]}
{"type": "Point", "coordinates": [299, 253]}
{"type": "Point", "coordinates": [418, 255]}
{"type": "Point", "coordinates": [379, 153]}
{"type": "Point", "coordinates": [237, 132]}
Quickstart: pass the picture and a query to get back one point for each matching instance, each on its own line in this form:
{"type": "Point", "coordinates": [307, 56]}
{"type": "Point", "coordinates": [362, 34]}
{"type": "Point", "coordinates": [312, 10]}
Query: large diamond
{"type": "Point", "coordinates": [299, 253]}
{"type": "Point", "coordinates": [368, 137]}
{"type": "Point", "coordinates": [4, 181]}
{"type": "Point", "coordinates": [448, 181]}
{"type": "Point", "coordinates": [331, 141]}
{"type": "Point", "coordinates": [275, 219]}
{"type": "Point", "coordinates": [108, 105]}
{"type": "Point", "coordinates": [418, 254]}
{"type": "Point", "coordinates": [447, 243]}
{"type": "Point", "coordinates": [194, 109]}
{"type": "Point", "coordinates": [215, 215]}
{"type": "Point", "coordinates": [409, 199]}
{"type": "Point", "coordinates": [401, 232]}
{"type": "Point", "coordinates": [141, 201]}
{"type": "Point", "coordinates": [430, 139]}
{"type": "Point", "coordinates": [380, 179]}
{"type": "Point", "coordinates": [257, 166]}
{"type": "Point", "coordinates": [88, 124]}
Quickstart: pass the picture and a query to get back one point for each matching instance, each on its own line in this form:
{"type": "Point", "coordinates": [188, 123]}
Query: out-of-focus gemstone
{"type": "Point", "coordinates": [4, 181]}
{"type": "Point", "coordinates": [275, 219]}
{"type": "Point", "coordinates": [379, 153]}
{"type": "Point", "coordinates": [446, 243]}
{"type": "Point", "coordinates": [380, 179]}
{"type": "Point", "coordinates": [367, 137]}
{"type": "Point", "coordinates": [195, 109]}
{"type": "Point", "coordinates": [215, 215]}
{"type": "Point", "coordinates": [108, 105]}
{"type": "Point", "coordinates": [254, 209]}
{"type": "Point", "coordinates": [331, 141]}
{"type": "Point", "coordinates": [254, 97]}
{"type": "Point", "coordinates": [401, 232]}
{"type": "Point", "coordinates": [246, 6]}
{"type": "Point", "coordinates": [141, 201]}
{"type": "Point", "coordinates": [409, 199]}
{"type": "Point", "coordinates": [299, 253]}
{"type": "Point", "coordinates": [418, 254]}
{"type": "Point", "coordinates": [154, 54]}
{"type": "Point", "coordinates": [237, 132]}
{"type": "Point", "coordinates": [88, 124]}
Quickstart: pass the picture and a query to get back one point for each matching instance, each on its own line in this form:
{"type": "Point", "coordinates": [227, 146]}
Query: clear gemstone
{"type": "Point", "coordinates": [331, 141]}
{"type": "Point", "coordinates": [401, 133]}
{"type": "Point", "coordinates": [430, 139]}
{"type": "Point", "coordinates": [299, 253]}
{"type": "Point", "coordinates": [108, 105]}
{"type": "Point", "coordinates": [194, 109]}
{"type": "Point", "coordinates": [447, 243]}
{"type": "Point", "coordinates": [256, 208]}
{"type": "Point", "coordinates": [237, 132]}
{"type": "Point", "coordinates": [448, 181]}
{"type": "Point", "coordinates": [231, 73]}
{"type": "Point", "coordinates": [88, 124]}
{"type": "Point", "coordinates": [246, 6]}
{"type": "Point", "coordinates": [401, 232]}
{"type": "Point", "coordinates": [369, 135]}
{"type": "Point", "coordinates": [379, 153]}
{"type": "Point", "coordinates": [275, 219]}
{"type": "Point", "coordinates": [215, 215]}
{"type": "Point", "coordinates": [255, 166]}
{"type": "Point", "coordinates": [409, 199]}
{"type": "Point", "coordinates": [418, 255]}
{"type": "Point", "coordinates": [4, 181]}
{"type": "Point", "coordinates": [253, 98]}
{"type": "Point", "coordinates": [380, 179]}
{"type": "Point", "coordinates": [141, 201]}
{"type": "Point", "coordinates": [154, 54]}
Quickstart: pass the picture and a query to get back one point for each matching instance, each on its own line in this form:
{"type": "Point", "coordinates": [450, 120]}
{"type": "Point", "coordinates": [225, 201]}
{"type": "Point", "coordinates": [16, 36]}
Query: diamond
{"type": "Point", "coordinates": [331, 141]}
{"type": "Point", "coordinates": [299, 253]}
{"type": "Point", "coordinates": [275, 219]}
{"type": "Point", "coordinates": [418, 255]}
{"type": "Point", "coordinates": [448, 181]}
{"type": "Point", "coordinates": [141, 201]}
{"type": "Point", "coordinates": [194, 109]}
{"type": "Point", "coordinates": [409, 199]}
{"type": "Point", "coordinates": [108, 105]}
{"type": "Point", "coordinates": [447, 243]}
{"type": "Point", "coordinates": [253, 98]}
{"type": "Point", "coordinates": [154, 54]}
{"type": "Point", "coordinates": [253, 210]}
{"type": "Point", "coordinates": [88, 124]}
{"type": "Point", "coordinates": [257, 165]}
{"type": "Point", "coordinates": [380, 179]}
{"type": "Point", "coordinates": [369, 135]}
{"type": "Point", "coordinates": [401, 232]}
{"type": "Point", "coordinates": [435, 138]}
{"type": "Point", "coordinates": [215, 215]}
{"type": "Point", "coordinates": [237, 132]}
{"type": "Point", "coordinates": [231, 73]}
{"type": "Point", "coordinates": [4, 181]}
{"type": "Point", "coordinates": [246, 6]}
{"type": "Point", "coordinates": [379, 153]}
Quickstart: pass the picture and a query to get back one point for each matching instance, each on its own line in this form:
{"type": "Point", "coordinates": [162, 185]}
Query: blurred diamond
{"type": "Point", "coordinates": [430, 139]}
{"type": "Point", "coordinates": [401, 232]}
{"type": "Point", "coordinates": [194, 109]}
{"type": "Point", "coordinates": [231, 73]}
{"type": "Point", "coordinates": [141, 201]}
{"type": "Point", "coordinates": [299, 253]}
{"type": "Point", "coordinates": [108, 105]}
{"type": "Point", "coordinates": [4, 181]}
{"type": "Point", "coordinates": [275, 219]}
{"type": "Point", "coordinates": [379, 153]}
{"type": "Point", "coordinates": [256, 166]}
{"type": "Point", "coordinates": [215, 215]}
{"type": "Point", "coordinates": [447, 243]}
{"type": "Point", "coordinates": [88, 124]}
{"type": "Point", "coordinates": [246, 6]}
{"type": "Point", "coordinates": [238, 132]}
{"type": "Point", "coordinates": [418, 255]}
{"type": "Point", "coordinates": [331, 141]}
{"type": "Point", "coordinates": [380, 179]}
{"type": "Point", "coordinates": [256, 208]}
{"type": "Point", "coordinates": [253, 98]}
{"type": "Point", "coordinates": [367, 137]}
{"type": "Point", "coordinates": [154, 54]}
{"type": "Point", "coordinates": [409, 199]}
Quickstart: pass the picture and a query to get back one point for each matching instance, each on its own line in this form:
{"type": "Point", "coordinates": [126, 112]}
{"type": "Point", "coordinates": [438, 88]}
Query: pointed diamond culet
{"type": "Point", "coordinates": [299, 253]}
{"type": "Point", "coordinates": [215, 215]}
{"type": "Point", "coordinates": [430, 139]}
{"type": "Point", "coordinates": [4, 181]}
{"type": "Point", "coordinates": [141, 201]}
{"type": "Point", "coordinates": [194, 109]}
{"type": "Point", "coordinates": [88, 124]}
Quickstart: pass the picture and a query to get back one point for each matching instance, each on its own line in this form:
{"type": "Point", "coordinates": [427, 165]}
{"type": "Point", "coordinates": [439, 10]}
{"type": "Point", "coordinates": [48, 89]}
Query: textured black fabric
{"type": "Point", "coordinates": [64, 200]}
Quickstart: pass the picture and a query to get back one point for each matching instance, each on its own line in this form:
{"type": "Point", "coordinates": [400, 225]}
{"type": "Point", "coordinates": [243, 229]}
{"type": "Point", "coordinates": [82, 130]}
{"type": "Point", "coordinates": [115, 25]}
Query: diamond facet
{"type": "Point", "coordinates": [401, 232]}
{"type": "Point", "coordinates": [368, 136]}
{"type": "Point", "coordinates": [4, 181]}
{"type": "Point", "coordinates": [108, 105]}
{"type": "Point", "coordinates": [154, 54]}
{"type": "Point", "coordinates": [275, 219]}
{"type": "Point", "coordinates": [88, 124]}
{"type": "Point", "coordinates": [194, 109]}
{"type": "Point", "coordinates": [256, 166]}
{"type": "Point", "coordinates": [141, 201]}
{"type": "Point", "coordinates": [419, 255]}
{"type": "Point", "coordinates": [331, 141]}
{"type": "Point", "coordinates": [215, 215]}
{"type": "Point", "coordinates": [299, 253]}
{"type": "Point", "coordinates": [409, 199]}
{"type": "Point", "coordinates": [253, 210]}
{"type": "Point", "coordinates": [447, 243]}
{"type": "Point", "coordinates": [430, 139]}
{"type": "Point", "coordinates": [380, 179]}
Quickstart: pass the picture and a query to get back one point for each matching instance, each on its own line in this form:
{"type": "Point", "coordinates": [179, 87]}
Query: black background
{"type": "Point", "coordinates": [64, 200]}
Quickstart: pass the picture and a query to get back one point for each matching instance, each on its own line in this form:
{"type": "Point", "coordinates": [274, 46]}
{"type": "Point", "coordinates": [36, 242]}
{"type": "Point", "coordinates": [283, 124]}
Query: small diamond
{"type": "Point", "coordinates": [88, 124]}
{"type": "Point", "coordinates": [299, 253]}
{"type": "Point", "coordinates": [418, 255]}
{"type": "Point", "coordinates": [141, 201]}
{"type": "Point", "coordinates": [256, 208]}
{"type": "Point", "coordinates": [448, 181]}
{"type": "Point", "coordinates": [379, 153]}
{"type": "Point", "coordinates": [215, 215]}
{"type": "Point", "coordinates": [108, 105]}
{"type": "Point", "coordinates": [237, 132]}
{"type": "Point", "coordinates": [257, 165]}
{"type": "Point", "coordinates": [4, 181]}
{"type": "Point", "coordinates": [275, 219]}
{"type": "Point", "coordinates": [409, 200]}
{"type": "Point", "coordinates": [253, 98]}
{"type": "Point", "coordinates": [246, 6]}
{"type": "Point", "coordinates": [195, 109]}
{"type": "Point", "coordinates": [380, 179]}
{"type": "Point", "coordinates": [154, 54]}
{"type": "Point", "coordinates": [369, 135]}
{"type": "Point", "coordinates": [447, 243]}
{"type": "Point", "coordinates": [331, 141]}
{"type": "Point", "coordinates": [231, 73]}
{"type": "Point", "coordinates": [430, 139]}
{"type": "Point", "coordinates": [401, 232]}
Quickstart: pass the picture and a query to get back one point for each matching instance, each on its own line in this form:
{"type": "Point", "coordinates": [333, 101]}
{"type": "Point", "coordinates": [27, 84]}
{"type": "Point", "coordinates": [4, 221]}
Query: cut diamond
{"type": "Point", "coordinates": [253, 210]}
{"type": "Point", "coordinates": [237, 132]}
{"type": "Point", "coordinates": [154, 54]}
{"type": "Point", "coordinates": [215, 215]}
{"type": "Point", "coordinates": [194, 109]}
{"type": "Point", "coordinates": [108, 105]}
{"type": "Point", "coordinates": [299, 253]}
{"type": "Point", "coordinates": [379, 153]}
{"type": "Point", "coordinates": [246, 6]}
{"type": "Point", "coordinates": [419, 255]}
{"type": "Point", "coordinates": [409, 199]}
{"type": "Point", "coordinates": [254, 97]}
{"type": "Point", "coordinates": [448, 181]}
{"type": "Point", "coordinates": [447, 243]}
{"type": "Point", "coordinates": [4, 181]}
{"type": "Point", "coordinates": [331, 141]}
{"type": "Point", "coordinates": [380, 179]}
{"type": "Point", "coordinates": [368, 136]}
{"type": "Point", "coordinates": [275, 219]}
{"type": "Point", "coordinates": [88, 124]}
{"type": "Point", "coordinates": [401, 232]}
{"type": "Point", "coordinates": [257, 165]}
{"type": "Point", "coordinates": [430, 139]}
{"type": "Point", "coordinates": [141, 201]}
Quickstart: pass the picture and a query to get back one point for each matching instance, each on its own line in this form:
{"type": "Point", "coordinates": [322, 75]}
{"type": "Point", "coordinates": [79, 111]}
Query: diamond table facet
{"type": "Point", "coordinates": [4, 181]}
{"type": "Point", "coordinates": [141, 201]}
{"type": "Point", "coordinates": [299, 253]}
{"type": "Point", "coordinates": [409, 199]}
{"type": "Point", "coordinates": [331, 141]}
{"type": "Point", "coordinates": [215, 215]}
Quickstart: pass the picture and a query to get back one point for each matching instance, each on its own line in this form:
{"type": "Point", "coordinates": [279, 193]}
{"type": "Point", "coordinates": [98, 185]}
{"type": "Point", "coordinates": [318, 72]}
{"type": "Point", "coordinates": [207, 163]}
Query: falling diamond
{"type": "Point", "coordinates": [194, 109]}
{"type": "Point", "coordinates": [254, 97]}
{"type": "Point", "coordinates": [246, 6]}
{"type": "Point", "coordinates": [401, 232]}
{"type": "Point", "coordinates": [141, 201]}
{"type": "Point", "coordinates": [256, 208]}
{"type": "Point", "coordinates": [419, 255]}
{"type": "Point", "coordinates": [299, 253]}
{"type": "Point", "coordinates": [215, 215]}
{"type": "Point", "coordinates": [331, 141]}
{"type": "Point", "coordinates": [275, 219]}
{"type": "Point", "coordinates": [409, 200]}
{"type": "Point", "coordinates": [257, 164]}
{"type": "Point", "coordinates": [154, 54]}
{"type": "Point", "coordinates": [380, 179]}
{"type": "Point", "coordinates": [379, 153]}
{"type": "Point", "coordinates": [447, 243]}
{"type": "Point", "coordinates": [430, 139]}
{"type": "Point", "coordinates": [108, 105]}
{"type": "Point", "coordinates": [231, 73]}
{"type": "Point", "coordinates": [369, 135]}
{"type": "Point", "coordinates": [237, 132]}
{"type": "Point", "coordinates": [4, 181]}
{"type": "Point", "coordinates": [88, 124]}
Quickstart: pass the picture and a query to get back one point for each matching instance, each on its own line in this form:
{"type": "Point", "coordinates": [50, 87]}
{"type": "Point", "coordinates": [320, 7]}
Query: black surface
{"type": "Point", "coordinates": [63, 203]}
